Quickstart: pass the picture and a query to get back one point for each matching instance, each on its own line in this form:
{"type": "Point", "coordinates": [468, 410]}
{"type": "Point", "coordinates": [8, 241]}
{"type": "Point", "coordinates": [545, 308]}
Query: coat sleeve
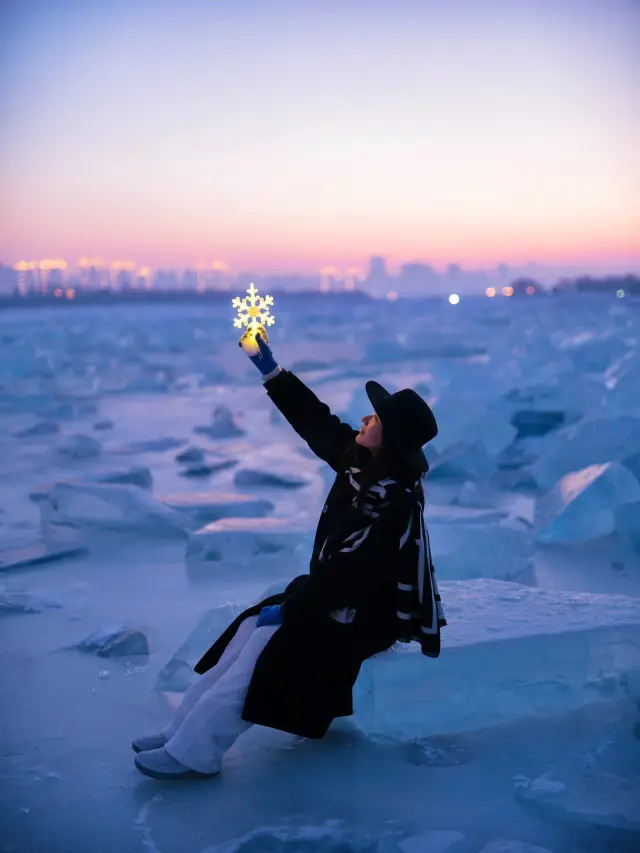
{"type": "Point", "coordinates": [327, 436]}
{"type": "Point", "coordinates": [363, 562]}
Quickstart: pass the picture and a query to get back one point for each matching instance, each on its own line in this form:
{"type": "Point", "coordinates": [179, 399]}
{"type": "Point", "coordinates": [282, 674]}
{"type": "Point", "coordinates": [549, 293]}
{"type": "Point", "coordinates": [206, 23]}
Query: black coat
{"type": "Point", "coordinates": [305, 674]}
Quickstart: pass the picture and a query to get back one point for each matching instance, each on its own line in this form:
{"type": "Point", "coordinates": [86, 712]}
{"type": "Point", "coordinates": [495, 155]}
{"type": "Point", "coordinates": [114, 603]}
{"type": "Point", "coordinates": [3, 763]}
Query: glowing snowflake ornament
{"type": "Point", "coordinates": [253, 312]}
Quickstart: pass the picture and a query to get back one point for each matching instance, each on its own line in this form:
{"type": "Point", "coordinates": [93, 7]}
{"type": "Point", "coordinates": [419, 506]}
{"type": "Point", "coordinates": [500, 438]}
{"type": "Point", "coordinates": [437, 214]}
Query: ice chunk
{"type": "Point", "coordinates": [469, 549]}
{"type": "Point", "coordinates": [508, 845]}
{"type": "Point", "coordinates": [627, 523]}
{"type": "Point", "coordinates": [431, 841]}
{"type": "Point", "coordinates": [152, 445]}
{"type": "Point", "coordinates": [574, 396]}
{"type": "Point", "coordinates": [32, 555]}
{"type": "Point", "coordinates": [523, 451]}
{"type": "Point", "coordinates": [463, 420]}
{"type": "Point", "coordinates": [132, 476]}
{"type": "Point", "coordinates": [178, 674]}
{"type": "Point", "coordinates": [116, 641]}
{"type": "Point", "coordinates": [633, 464]}
{"type": "Point", "coordinates": [331, 837]}
{"type": "Point", "coordinates": [470, 495]}
{"type": "Point", "coordinates": [90, 506]}
{"type": "Point", "coordinates": [206, 469]}
{"type": "Point", "coordinates": [583, 503]}
{"type": "Point", "coordinates": [18, 601]}
{"type": "Point", "coordinates": [222, 425]}
{"type": "Point", "coordinates": [623, 384]}
{"type": "Point", "coordinates": [255, 477]}
{"type": "Point", "coordinates": [591, 354]}
{"type": "Point", "coordinates": [606, 801]}
{"type": "Point", "coordinates": [243, 539]}
{"type": "Point", "coordinates": [545, 784]}
{"type": "Point", "coordinates": [462, 461]}
{"type": "Point", "coordinates": [191, 454]}
{"type": "Point", "coordinates": [205, 507]}
{"type": "Point", "coordinates": [39, 429]}
{"type": "Point", "coordinates": [509, 651]}
{"type": "Point", "coordinates": [589, 442]}
{"type": "Point", "coordinates": [605, 798]}
{"type": "Point", "coordinates": [536, 422]}
{"type": "Point", "coordinates": [78, 446]}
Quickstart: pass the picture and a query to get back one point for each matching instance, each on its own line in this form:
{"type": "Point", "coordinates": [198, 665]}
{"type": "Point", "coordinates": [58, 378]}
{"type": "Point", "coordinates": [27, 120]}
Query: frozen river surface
{"type": "Point", "coordinates": [129, 437]}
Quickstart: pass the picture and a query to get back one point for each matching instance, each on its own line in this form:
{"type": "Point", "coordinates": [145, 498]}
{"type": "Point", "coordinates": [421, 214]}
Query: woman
{"type": "Point", "coordinates": [290, 661]}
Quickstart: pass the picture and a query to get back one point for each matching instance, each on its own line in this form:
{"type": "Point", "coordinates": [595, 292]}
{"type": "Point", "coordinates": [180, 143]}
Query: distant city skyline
{"type": "Point", "coordinates": [285, 137]}
{"type": "Point", "coordinates": [375, 277]}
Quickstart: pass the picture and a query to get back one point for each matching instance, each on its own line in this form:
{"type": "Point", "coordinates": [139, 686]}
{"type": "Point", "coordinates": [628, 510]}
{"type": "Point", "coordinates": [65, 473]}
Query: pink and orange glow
{"type": "Point", "coordinates": [508, 134]}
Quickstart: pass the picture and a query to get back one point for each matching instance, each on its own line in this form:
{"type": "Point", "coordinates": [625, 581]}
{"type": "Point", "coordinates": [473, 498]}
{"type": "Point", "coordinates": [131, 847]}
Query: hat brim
{"type": "Point", "coordinates": [377, 394]}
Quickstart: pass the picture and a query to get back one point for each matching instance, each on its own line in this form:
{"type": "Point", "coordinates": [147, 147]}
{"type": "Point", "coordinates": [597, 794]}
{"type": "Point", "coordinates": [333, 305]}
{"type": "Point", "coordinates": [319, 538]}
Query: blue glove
{"type": "Point", "coordinates": [264, 360]}
{"type": "Point", "coordinates": [269, 616]}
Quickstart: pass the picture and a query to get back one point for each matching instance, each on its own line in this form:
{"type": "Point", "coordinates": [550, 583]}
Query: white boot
{"type": "Point", "coordinates": [160, 765]}
{"type": "Point", "coordinates": [146, 742]}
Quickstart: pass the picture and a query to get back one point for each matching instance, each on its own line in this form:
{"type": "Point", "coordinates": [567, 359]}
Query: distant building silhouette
{"type": "Point", "coordinates": [8, 279]}
{"type": "Point", "coordinates": [416, 278]}
{"type": "Point", "coordinates": [621, 285]}
{"type": "Point", "coordinates": [378, 279]}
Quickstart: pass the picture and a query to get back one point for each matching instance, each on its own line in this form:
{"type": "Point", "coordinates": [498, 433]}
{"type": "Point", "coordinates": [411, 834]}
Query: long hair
{"type": "Point", "coordinates": [385, 463]}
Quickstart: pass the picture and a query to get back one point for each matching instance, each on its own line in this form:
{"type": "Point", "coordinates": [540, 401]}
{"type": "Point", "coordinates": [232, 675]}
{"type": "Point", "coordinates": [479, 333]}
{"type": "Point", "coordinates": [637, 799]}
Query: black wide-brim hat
{"type": "Point", "coordinates": [407, 421]}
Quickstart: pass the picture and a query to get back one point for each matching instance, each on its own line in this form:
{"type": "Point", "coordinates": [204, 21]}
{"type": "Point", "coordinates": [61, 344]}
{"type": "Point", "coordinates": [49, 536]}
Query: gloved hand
{"type": "Point", "coordinates": [264, 360]}
{"type": "Point", "coordinates": [269, 616]}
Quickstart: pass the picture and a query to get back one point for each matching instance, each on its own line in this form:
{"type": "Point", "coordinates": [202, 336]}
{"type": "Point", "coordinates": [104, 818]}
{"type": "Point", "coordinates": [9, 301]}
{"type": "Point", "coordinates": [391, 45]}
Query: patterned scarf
{"type": "Point", "coordinates": [418, 607]}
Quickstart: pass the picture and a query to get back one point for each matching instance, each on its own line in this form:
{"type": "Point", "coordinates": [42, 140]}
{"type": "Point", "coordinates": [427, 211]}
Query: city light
{"type": "Point", "coordinates": [53, 264]}
{"type": "Point", "coordinates": [57, 292]}
{"type": "Point", "coordinates": [507, 291]}
{"type": "Point", "coordinates": [71, 293]}
{"type": "Point", "coordinates": [620, 294]}
{"type": "Point", "coordinates": [392, 296]}
{"type": "Point", "coordinates": [327, 274]}
{"type": "Point", "coordinates": [490, 291]}
{"type": "Point", "coordinates": [531, 290]}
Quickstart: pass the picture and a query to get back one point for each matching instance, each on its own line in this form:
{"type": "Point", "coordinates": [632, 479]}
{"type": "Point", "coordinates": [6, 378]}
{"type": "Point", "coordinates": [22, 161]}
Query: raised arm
{"type": "Point", "coordinates": [325, 433]}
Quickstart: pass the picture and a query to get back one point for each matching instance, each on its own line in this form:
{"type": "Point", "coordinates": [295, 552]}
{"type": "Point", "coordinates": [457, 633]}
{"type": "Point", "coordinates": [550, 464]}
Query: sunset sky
{"type": "Point", "coordinates": [282, 136]}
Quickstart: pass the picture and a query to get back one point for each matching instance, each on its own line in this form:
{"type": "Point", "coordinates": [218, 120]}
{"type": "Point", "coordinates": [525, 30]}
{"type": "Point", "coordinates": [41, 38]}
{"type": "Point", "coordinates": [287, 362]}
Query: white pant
{"type": "Point", "coordinates": [209, 719]}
